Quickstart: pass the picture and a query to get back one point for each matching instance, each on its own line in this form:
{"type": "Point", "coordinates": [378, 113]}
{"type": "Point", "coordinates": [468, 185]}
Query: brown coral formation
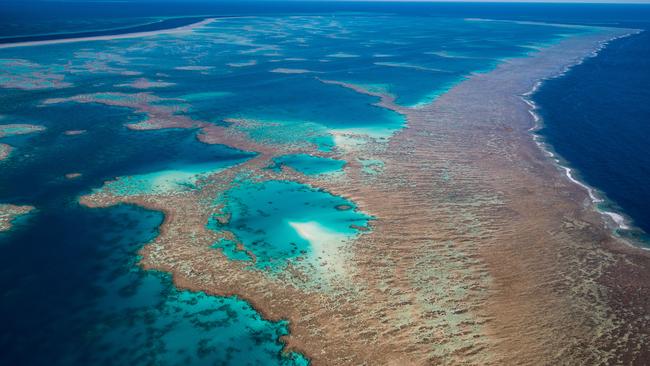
{"type": "Point", "coordinates": [482, 252]}
{"type": "Point", "coordinates": [19, 129]}
{"type": "Point", "coordinates": [8, 213]}
{"type": "Point", "coordinates": [5, 151]}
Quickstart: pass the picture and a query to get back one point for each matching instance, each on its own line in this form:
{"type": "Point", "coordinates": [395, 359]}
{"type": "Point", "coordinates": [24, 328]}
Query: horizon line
{"type": "Point", "coordinates": [604, 2]}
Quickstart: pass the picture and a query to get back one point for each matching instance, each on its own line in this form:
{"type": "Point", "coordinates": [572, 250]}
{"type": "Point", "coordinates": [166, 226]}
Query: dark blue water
{"type": "Point", "coordinates": [28, 17]}
{"type": "Point", "coordinates": [597, 118]}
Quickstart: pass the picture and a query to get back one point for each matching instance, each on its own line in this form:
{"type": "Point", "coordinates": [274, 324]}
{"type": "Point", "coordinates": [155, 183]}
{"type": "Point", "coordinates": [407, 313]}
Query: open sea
{"type": "Point", "coordinates": [70, 285]}
{"type": "Point", "coordinates": [596, 118]}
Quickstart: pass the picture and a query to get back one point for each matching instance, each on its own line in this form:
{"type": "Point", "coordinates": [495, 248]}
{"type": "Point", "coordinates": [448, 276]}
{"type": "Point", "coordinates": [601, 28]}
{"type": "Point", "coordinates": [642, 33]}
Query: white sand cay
{"type": "Point", "coordinates": [183, 29]}
{"type": "Point", "coordinates": [283, 70]}
{"type": "Point", "coordinates": [324, 242]}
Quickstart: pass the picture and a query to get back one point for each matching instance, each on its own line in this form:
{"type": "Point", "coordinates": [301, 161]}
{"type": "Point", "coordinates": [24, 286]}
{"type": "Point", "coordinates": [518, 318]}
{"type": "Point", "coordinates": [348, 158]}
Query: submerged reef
{"type": "Point", "coordinates": [15, 129]}
{"type": "Point", "coordinates": [156, 116]}
{"type": "Point", "coordinates": [26, 75]}
{"type": "Point", "coordinates": [143, 83]}
{"type": "Point", "coordinates": [18, 129]}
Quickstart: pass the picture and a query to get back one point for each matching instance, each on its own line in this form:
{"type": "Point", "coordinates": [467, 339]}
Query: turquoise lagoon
{"type": "Point", "coordinates": [72, 291]}
{"type": "Point", "coordinates": [279, 221]}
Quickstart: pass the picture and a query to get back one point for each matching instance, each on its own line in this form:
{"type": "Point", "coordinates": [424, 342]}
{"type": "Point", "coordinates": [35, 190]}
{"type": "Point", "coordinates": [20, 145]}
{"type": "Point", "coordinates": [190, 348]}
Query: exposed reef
{"type": "Point", "coordinates": [5, 151]}
{"type": "Point", "coordinates": [9, 213]}
{"type": "Point", "coordinates": [19, 129]}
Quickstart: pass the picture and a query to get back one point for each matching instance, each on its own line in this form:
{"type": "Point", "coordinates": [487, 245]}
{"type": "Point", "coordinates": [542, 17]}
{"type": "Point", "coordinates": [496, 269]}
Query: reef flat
{"type": "Point", "coordinates": [473, 228]}
{"type": "Point", "coordinates": [18, 129]}
{"type": "Point", "coordinates": [544, 242]}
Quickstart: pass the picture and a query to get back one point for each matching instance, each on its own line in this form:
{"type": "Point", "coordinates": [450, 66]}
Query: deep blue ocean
{"type": "Point", "coordinates": [596, 117]}
{"type": "Point", "coordinates": [71, 290]}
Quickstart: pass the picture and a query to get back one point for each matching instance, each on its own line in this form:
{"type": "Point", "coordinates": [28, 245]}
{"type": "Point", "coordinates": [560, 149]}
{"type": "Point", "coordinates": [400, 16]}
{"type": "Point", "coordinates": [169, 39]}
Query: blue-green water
{"type": "Point", "coordinates": [72, 291]}
{"type": "Point", "coordinates": [174, 178]}
{"type": "Point", "coordinates": [280, 221]}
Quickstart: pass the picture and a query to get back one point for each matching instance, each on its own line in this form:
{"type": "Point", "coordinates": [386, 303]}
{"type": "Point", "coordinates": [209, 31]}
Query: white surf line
{"type": "Point", "coordinates": [618, 219]}
{"type": "Point", "coordinates": [183, 29]}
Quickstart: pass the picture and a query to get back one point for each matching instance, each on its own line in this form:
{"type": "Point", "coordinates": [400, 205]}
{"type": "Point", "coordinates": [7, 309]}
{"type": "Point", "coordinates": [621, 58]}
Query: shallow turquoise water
{"type": "Point", "coordinates": [280, 221]}
{"type": "Point", "coordinates": [172, 179]}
